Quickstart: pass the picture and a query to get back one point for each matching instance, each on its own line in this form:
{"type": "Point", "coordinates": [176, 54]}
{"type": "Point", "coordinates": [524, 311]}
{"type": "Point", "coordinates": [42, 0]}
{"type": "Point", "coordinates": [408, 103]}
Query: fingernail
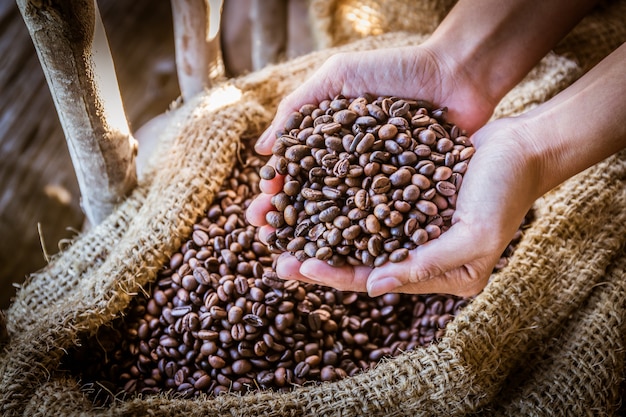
{"type": "Point", "coordinates": [309, 271]}
{"type": "Point", "coordinates": [263, 138]}
{"type": "Point", "coordinates": [382, 286]}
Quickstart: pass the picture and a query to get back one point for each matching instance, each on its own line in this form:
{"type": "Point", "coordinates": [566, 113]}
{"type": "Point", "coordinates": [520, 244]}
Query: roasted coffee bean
{"type": "Point", "coordinates": [444, 145]}
{"type": "Point", "coordinates": [324, 253]}
{"type": "Point", "coordinates": [267, 172]}
{"type": "Point", "coordinates": [399, 255]}
{"type": "Point", "coordinates": [400, 178]}
{"type": "Point", "coordinates": [382, 211]}
{"type": "Point", "coordinates": [275, 219]}
{"type": "Point", "coordinates": [466, 153]}
{"type": "Point", "coordinates": [302, 369]}
{"type": "Point", "coordinates": [445, 188]}
{"type": "Point", "coordinates": [372, 224]}
{"type": "Point", "coordinates": [311, 194]}
{"type": "Point", "coordinates": [399, 108]}
{"type": "Point", "coordinates": [329, 214]}
{"type": "Point", "coordinates": [290, 215]}
{"type": "Point", "coordinates": [364, 143]}
{"type": "Point", "coordinates": [380, 184]}
{"type": "Point", "coordinates": [410, 226]}
{"type": "Point", "coordinates": [293, 121]}
{"type": "Point", "coordinates": [375, 245]}
{"type": "Point", "coordinates": [351, 232]}
{"type": "Point", "coordinates": [387, 131]}
{"type": "Point", "coordinates": [442, 173]}
{"type": "Point", "coordinates": [202, 383]}
{"type": "Point", "coordinates": [180, 311]}
{"type": "Point", "coordinates": [427, 207]}
{"type": "Point", "coordinates": [291, 188]}
{"type": "Point", "coordinates": [433, 231]}
{"type": "Point", "coordinates": [345, 117]}
{"type": "Point", "coordinates": [235, 314]}
{"type": "Point", "coordinates": [241, 366]}
{"type": "Point", "coordinates": [200, 237]}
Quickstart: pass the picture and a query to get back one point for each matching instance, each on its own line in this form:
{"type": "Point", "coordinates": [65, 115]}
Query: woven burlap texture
{"type": "Point", "coordinates": [545, 337]}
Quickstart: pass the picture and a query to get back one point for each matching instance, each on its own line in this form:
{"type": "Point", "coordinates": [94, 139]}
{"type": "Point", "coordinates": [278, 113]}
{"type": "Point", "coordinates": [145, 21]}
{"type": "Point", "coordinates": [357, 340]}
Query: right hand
{"type": "Point", "coordinates": [498, 189]}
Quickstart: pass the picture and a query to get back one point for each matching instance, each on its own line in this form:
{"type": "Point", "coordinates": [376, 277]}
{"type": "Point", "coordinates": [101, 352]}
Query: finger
{"type": "Point", "coordinates": [264, 231]}
{"type": "Point", "coordinates": [258, 208]}
{"type": "Point", "coordinates": [266, 141]}
{"type": "Point", "coordinates": [343, 278]}
{"type": "Point", "coordinates": [316, 89]}
{"type": "Point", "coordinates": [288, 267]}
{"type": "Point", "coordinates": [274, 185]}
{"type": "Point", "coordinates": [451, 264]}
{"type": "Point", "coordinates": [455, 282]}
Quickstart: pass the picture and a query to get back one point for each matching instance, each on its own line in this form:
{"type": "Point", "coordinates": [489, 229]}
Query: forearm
{"type": "Point", "coordinates": [495, 43]}
{"type": "Point", "coordinates": [580, 126]}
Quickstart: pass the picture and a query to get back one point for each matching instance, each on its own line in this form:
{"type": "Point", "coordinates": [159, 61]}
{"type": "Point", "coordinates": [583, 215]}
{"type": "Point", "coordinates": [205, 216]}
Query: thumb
{"type": "Point", "coordinates": [454, 263]}
{"type": "Point", "coordinates": [317, 88]}
{"type": "Point", "coordinates": [287, 117]}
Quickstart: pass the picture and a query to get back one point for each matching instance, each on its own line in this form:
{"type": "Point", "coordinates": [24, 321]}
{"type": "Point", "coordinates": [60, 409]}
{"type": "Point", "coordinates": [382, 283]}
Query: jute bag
{"type": "Point", "coordinates": [546, 337]}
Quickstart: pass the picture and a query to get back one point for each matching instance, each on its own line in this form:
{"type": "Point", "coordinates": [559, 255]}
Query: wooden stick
{"type": "Point", "coordinates": [268, 19]}
{"type": "Point", "coordinates": [197, 44]}
{"type": "Point", "coordinates": [71, 44]}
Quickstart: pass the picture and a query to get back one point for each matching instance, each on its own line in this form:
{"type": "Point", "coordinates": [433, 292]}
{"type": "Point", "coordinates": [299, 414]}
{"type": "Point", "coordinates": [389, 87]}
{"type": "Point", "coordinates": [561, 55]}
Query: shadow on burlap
{"type": "Point", "coordinates": [546, 337]}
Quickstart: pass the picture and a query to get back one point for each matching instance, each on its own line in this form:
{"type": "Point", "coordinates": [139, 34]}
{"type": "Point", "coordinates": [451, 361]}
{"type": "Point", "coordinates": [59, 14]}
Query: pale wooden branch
{"type": "Point", "coordinates": [197, 44]}
{"type": "Point", "coordinates": [268, 19]}
{"type": "Point", "coordinates": [74, 53]}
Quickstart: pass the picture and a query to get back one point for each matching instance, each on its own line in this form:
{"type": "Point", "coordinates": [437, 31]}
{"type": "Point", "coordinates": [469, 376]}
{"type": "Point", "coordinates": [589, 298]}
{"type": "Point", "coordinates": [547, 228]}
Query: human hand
{"type": "Point", "coordinates": [351, 75]}
{"type": "Point", "coordinates": [498, 190]}
{"type": "Point", "coordinates": [433, 76]}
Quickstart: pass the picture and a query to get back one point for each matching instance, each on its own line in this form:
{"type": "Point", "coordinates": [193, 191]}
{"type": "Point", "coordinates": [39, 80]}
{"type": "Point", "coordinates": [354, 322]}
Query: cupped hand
{"type": "Point", "coordinates": [411, 72]}
{"type": "Point", "coordinates": [498, 189]}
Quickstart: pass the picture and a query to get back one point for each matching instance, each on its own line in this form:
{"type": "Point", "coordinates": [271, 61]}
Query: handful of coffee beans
{"type": "Point", "coordinates": [217, 318]}
{"type": "Point", "coordinates": [365, 180]}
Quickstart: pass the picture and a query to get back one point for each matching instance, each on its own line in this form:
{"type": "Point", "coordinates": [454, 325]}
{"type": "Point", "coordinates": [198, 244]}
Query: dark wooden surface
{"type": "Point", "coordinates": [39, 195]}
{"type": "Point", "coordinates": [38, 188]}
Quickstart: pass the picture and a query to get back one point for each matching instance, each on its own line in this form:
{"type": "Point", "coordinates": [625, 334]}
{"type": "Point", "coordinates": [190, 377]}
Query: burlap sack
{"type": "Point", "coordinates": [546, 337]}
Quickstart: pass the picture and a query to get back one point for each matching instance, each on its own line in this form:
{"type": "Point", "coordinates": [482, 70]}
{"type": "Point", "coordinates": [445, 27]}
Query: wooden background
{"type": "Point", "coordinates": [39, 195]}
{"type": "Point", "coordinates": [38, 188]}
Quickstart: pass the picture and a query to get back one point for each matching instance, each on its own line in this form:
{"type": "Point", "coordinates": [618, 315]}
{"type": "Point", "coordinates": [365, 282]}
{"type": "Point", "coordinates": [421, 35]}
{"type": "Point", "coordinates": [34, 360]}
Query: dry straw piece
{"type": "Point", "coordinates": [546, 337]}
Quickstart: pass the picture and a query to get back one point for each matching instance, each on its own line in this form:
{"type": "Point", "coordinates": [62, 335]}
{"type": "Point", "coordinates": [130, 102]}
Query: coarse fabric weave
{"type": "Point", "coordinates": [546, 337]}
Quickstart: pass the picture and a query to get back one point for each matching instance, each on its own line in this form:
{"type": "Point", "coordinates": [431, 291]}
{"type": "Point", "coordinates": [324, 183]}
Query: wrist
{"type": "Point", "coordinates": [460, 58]}
{"type": "Point", "coordinates": [469, 105]}
{"type": "Point", "coordinates": [495, 44]}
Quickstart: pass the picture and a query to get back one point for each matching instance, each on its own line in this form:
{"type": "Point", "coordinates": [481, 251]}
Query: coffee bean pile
{"type": "Point", "coordinates": [218, 319]}
{"type": "Point", "coordinates": [365, 180]}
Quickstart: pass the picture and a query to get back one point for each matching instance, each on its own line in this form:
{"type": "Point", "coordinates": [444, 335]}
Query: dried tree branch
{"type": "Point", "coordinates": [197, 44]}
{"type": "Point", "coordinates": [269, 31]}
{"type": "Point", "coordinates": [74, 53]}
